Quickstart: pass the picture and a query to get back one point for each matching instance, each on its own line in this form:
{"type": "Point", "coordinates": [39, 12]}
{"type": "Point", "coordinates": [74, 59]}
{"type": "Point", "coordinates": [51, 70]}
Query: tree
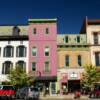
{"type": "Point", "coordinates": [18, 77]}
{"type": "Point", "coordinates": [90, 76]}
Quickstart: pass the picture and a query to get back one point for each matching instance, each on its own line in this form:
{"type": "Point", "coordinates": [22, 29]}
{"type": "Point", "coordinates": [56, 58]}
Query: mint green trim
{"type": "Point", "coordinates": [42, 20]}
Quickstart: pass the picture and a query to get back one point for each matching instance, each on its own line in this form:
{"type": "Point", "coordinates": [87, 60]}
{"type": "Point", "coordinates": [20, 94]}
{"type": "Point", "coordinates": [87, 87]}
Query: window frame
{"type": "Point", "coordinates": [34, 32]}
{"type": "Point", "coordinates": [68, 59]}
{"type": "Point", "coordinates": [35, 65]}
{"type": "Point", "coordinates": [45, 51]}
{"type": "Point", "coordinates": [79, 60]}
{"type": "Point", "coordinates": [45, 70]}
{"type": "Point", "coordinates": [34, 50]}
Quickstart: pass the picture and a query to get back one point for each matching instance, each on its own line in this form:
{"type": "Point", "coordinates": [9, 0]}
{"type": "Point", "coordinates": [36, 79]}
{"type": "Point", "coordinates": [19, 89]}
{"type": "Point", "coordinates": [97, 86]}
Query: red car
{"type": "Point", "coordinates": [7, 91]}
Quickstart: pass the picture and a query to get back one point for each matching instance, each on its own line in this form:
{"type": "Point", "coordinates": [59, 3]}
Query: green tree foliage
{"type": "Point", "coordinates": [90, 76]}
{"type": "Point", "coordinates": [19, 78]}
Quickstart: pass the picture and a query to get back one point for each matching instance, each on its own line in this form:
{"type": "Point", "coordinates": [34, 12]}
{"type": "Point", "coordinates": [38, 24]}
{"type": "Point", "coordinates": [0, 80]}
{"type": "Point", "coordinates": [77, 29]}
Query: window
{"type": "Point", "coordinates": [95, 37]}
{"type": "Point", "coordinates": [34, 31]}
{"type": "Point", "coordinates": [67, 60]}
{"type": "Point", "coordinates": [66, 39]}
{"type": "Point", "coordinates": [21, 51]}
{"type": "Point", "coordinates": [15, 31]}
{"type": "Point", "coordinates": [47, 69]}
{"type": "Point", "coordinates": [8, 51]}
{"type": "Point", "coordinates": [6, 67]}
{"type": "Point", "coordinates": [34, 51]}
{"type": "Point", "coordinates": [79, 60]}
{"type": "Point", "coordinates": [47, 50]}
{"type": "Point", "coordinates": [47, 31]}
{"type": "Point", "coordinates": [33, 66]}
{"type": "Point", "coordinates": [21, 64]}
{"type": "Point", "coordinates": [78, 39]}
{"type": "Point", "coordinates": [97, 58]}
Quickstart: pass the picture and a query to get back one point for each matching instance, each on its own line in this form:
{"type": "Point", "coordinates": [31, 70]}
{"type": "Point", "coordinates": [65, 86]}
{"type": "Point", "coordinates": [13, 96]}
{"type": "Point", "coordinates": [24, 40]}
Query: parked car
{"type": "Point", "coordinates": [27, 93]}
{"type": "Point", "coordinates": [7, 91]}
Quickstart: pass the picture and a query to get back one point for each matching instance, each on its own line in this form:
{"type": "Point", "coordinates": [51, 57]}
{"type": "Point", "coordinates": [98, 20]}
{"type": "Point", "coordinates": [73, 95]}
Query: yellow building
{"type": "Point", "coordinates": [72, 54]}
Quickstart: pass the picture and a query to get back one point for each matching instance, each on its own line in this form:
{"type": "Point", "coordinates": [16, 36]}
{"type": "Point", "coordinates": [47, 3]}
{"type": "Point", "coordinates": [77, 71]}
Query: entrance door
{"type": "Point", "coordinates": [64, 88]}
{"type": "Point", "coordinates": [73, 85]}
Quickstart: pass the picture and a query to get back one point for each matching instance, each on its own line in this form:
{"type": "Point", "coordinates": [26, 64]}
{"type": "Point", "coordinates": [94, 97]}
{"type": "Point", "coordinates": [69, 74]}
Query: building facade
{"type": "Point", "coordinates": [56, 60]}
{"type": "Point", "coordinates": [13, 49]}
{"type": "Point", "coordinates": [92, 30]}
{"type": "Point", "coordinates": [42, 53]}
{"type": "Point", "coordinates": [73, 54]}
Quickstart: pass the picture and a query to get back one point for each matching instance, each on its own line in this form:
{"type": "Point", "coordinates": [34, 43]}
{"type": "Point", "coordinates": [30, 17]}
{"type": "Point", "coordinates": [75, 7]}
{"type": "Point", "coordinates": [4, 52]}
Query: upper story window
{"type": "Point", "coordinates": [47, 31]}
{"type": "Point", "coordinates": [16, 31]}
{"type": "Point", "coordinates": [66, 39]}
{"type": "Point", "coordinates": [21, 51]}
{"type": "Point", "coordinates": [34, 51]}
{"type": "Point", "coordinates": [95, 35]}
{"type": "Point", "coordinates": [67, 60]}
{"type": "Point", "coordinates": [78, 39]}
{"type": "Point", "coordinates": [6, 67]}
{"type": "Point", "coordinates": [79, 60]}
{"type": "Point", "coordinates": [33, 66]}
{"type": "Point", "coordinates": [8, 51]}
{"type": "Point", "coordinates": [47, 66]}
{"type": "Point", "coordinates": [34, 31]}
{"type": "Point", "coordinates": [47, 50]}
{"type": "Point", "coordinates": [97, 58]}
{"type": "Point", "coordinates": [21, 64]}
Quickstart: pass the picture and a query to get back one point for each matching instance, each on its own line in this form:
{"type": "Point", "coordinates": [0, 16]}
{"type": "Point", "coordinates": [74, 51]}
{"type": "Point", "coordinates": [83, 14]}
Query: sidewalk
{"type": "Point", "coordinates": [68, 97]}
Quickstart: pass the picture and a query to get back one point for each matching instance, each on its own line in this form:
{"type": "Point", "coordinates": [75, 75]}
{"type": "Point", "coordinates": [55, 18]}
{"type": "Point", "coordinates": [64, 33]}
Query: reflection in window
{"type": "Point", "coordinates": [33, 66]}
{"type": "Point", "coordinates": [21, 51]}
{"type": "Point", "coordinates": [78, 39]}
{"type": "Point", "coordinates": [79, 60]}
{"type": "Point", "coordinates": [34, 31]}
{"type": "Point", "coordinates": [34, 51]}
{"type": "Point", "coordinates": [67, 60]}
{"type": "Point", "coordinates": [47, 67]}
{"type": "Point", "coordinates": [95, 37]}
{"type": "Point", "coordinates": [8, 51]}
{"type": "Point", "coordinates": [47, 50]}
{"type": "Point", "coordinates": [6, 67]}
{"type": "Point", "coordinates": [47, 31]}
{"type": "Point", "coordinates": [97, 58]}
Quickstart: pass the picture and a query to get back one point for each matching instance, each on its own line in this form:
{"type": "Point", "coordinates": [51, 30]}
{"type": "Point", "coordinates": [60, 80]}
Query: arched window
{"type": "Point", "coordinates": [15, 31]}
{"type": "Point", "coordinates": [79, 60]}
{"type": "Point", "coordinates": [34, 51]}
{"type": "Point", "coordinates": [6, 67]}
{"type": "Point", "coordinates": [21, 64]}
{"type": "Point", "coordinates": [8, 51]}
{"type": "Point", "coordinates": [21, 51]}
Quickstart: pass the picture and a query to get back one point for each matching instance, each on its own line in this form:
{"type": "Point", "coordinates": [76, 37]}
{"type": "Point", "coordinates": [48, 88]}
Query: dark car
{"type": "Point", "coordinates": [7, 91]}
{"type": "Point", "coordinates": [27, 93]}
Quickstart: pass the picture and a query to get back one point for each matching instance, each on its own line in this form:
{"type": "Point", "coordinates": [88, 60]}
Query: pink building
{"type": "Point", "coordinates": [43, 53]}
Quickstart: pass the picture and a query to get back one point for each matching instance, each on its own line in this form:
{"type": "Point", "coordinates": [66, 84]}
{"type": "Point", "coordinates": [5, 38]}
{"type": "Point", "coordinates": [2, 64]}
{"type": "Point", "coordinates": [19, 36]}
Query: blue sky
{"type": "Point", "coordinates": [70, 13]}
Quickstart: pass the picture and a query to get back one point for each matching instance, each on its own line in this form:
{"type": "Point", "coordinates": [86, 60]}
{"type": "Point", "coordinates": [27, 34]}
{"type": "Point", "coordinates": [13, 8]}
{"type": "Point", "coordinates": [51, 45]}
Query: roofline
{"type": "Point", "coordinates": [13, 24]}
{"type": "Point", "coordinates": [52, 20]}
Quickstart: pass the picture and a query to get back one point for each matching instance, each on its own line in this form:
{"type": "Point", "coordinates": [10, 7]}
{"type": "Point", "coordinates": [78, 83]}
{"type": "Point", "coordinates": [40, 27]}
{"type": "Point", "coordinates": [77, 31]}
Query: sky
{"type": "Point", "coordinates": [69, 13]}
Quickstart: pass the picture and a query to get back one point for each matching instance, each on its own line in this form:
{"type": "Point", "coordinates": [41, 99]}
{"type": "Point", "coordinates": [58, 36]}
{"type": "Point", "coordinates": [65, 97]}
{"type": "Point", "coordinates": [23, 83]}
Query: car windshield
{"type": "Point", "coordinates": [34, 89]}
{"type": "Point", "coordinates": [8, 87]}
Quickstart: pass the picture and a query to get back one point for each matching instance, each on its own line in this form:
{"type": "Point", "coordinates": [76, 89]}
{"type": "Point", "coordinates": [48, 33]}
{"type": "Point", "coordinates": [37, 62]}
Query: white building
{"type": "Point", "coordinates": [92, 29]}
{"type": "Point", "coordinates": [13, 49]}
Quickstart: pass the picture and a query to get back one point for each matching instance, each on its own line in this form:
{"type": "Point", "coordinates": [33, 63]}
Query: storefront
{"type": "Point", "coordinates": [69, 80]}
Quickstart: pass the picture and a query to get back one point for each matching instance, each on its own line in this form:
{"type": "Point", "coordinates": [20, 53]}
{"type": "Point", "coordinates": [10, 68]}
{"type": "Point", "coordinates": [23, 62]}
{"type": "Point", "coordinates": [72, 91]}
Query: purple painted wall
{"type": "Point", "coordinates": [40, 40]}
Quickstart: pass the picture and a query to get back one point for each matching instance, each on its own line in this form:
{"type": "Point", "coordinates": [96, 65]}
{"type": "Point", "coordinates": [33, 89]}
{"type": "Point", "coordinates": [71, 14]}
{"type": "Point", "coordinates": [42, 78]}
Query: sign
{"type": "Point", "coordinates": [73, 75]}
